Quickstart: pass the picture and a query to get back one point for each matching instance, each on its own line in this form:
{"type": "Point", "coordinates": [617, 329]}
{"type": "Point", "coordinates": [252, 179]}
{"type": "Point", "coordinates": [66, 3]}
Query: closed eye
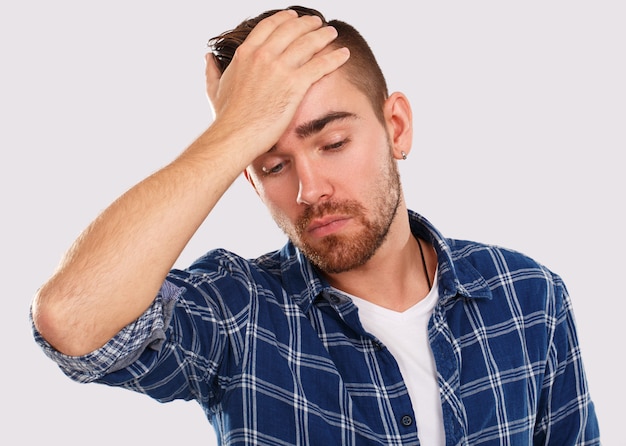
{"type": "Point", "coordinates": [336, 146]}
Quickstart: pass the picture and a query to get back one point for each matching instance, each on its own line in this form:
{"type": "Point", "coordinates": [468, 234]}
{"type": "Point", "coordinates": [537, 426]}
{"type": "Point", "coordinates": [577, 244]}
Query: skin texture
{"type": "Point", "coordinates": [336, 221]}
{"type": "Point", "coordinates": [282, 76]}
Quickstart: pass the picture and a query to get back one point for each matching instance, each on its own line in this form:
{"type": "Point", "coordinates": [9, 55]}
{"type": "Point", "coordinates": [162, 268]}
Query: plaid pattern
{"type": "Point", "coordinates": [276, 357]}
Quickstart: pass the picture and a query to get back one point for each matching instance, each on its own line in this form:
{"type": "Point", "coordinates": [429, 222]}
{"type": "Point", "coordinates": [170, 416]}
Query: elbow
{"type": "Point", "coordinates": [58, 322]}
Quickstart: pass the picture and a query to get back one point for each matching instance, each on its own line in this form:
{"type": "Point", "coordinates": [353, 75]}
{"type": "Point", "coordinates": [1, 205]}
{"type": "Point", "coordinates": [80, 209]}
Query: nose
{"type": "Point", "coordinates": [313, 183]}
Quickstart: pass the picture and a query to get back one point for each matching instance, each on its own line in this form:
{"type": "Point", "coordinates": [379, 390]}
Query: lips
{"type": "Point", "coordinates": [327, 217]}
{"type": "Point", "coordinates": [327, 225]}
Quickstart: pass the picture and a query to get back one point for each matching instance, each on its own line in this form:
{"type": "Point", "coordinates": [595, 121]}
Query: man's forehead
{"type": "Point", "coordinates": [331, 99]}
{"type": "Point", "coordinates": [334, 93]}
{"type": "Point", "coordinates": [333, 89]}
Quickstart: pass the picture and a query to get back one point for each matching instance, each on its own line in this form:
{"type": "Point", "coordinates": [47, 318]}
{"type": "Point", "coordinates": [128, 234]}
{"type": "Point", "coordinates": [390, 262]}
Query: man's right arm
{"type": "Point", "coordinates": [113, 271]}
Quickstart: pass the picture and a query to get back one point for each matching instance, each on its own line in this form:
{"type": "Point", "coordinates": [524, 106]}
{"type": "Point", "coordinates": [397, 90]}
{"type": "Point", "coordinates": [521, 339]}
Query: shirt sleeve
{"type": "Point", "coordinates": [193, 334]}
{"type": "Point", "coordinates": [566, 412]}
{"type": "Point", "coordinates": [146, 332]}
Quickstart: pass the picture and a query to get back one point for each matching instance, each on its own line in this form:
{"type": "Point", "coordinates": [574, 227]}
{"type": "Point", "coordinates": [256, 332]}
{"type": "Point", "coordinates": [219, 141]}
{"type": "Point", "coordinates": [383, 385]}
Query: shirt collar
{"type": "Point", "coordinates": [301, 280]}
{"type": "Point", "coordinates": [457, 277]}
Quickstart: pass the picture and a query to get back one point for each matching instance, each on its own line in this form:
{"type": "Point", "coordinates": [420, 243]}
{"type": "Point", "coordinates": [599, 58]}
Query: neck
{"type": "Point", "coordinates": [394, 277]}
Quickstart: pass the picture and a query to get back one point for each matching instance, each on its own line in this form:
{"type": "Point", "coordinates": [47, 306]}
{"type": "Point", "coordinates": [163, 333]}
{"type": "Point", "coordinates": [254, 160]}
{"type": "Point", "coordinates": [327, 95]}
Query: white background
{"type": "Point", "coordinates": [520, 113]}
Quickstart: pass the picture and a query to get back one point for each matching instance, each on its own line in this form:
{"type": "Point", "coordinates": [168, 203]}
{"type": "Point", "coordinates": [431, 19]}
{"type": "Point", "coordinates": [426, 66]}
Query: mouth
{"type": "Point", "coordinates": [321, 227]}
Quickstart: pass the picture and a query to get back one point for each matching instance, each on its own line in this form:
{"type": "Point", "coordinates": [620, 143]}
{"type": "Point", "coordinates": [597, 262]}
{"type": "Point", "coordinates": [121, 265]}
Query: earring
{"type": "Point", "coordinates": [403, 155]}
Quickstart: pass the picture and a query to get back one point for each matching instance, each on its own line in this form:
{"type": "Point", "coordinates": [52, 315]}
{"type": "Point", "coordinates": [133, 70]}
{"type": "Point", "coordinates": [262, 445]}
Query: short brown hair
{"type": "Point", "coordinates": [362, 68]}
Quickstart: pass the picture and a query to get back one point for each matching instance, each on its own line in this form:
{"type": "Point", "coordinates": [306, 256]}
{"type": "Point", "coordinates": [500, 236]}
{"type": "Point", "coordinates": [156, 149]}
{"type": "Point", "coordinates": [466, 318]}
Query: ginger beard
{"type": "Point", "coordinates": [336, 253]}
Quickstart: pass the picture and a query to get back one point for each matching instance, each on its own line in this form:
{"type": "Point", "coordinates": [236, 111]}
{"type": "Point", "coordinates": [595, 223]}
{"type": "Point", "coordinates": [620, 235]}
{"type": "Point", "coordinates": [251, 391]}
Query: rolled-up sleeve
{"type": "Point", "coordinates": [146, 332]}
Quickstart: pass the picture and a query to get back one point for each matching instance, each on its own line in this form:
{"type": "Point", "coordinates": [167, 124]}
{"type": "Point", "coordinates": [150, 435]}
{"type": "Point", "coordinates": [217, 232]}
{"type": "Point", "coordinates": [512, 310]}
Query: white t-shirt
{"type": "Point", "coordinates": [406, 336]}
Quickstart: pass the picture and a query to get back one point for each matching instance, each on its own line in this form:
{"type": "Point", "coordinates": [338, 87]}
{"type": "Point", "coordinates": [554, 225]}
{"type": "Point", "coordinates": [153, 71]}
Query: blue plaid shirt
{"type": "Point", "coordinates": [275, 356]}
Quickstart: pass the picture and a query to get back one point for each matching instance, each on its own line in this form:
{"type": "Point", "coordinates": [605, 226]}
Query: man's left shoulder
{"type": "Point", "coordinates": [484, 253]}
{"type": "Point", "coordinates": [500, 264]}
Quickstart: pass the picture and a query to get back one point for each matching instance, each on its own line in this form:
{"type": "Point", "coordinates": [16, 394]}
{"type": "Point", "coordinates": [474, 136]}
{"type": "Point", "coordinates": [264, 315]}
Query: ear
{"type": "Point", "coordinates": [399, 121]}
{"type": "Point", "coordinates": [248, 176]}
{"type": "Point", "coordinates": [212, 77]}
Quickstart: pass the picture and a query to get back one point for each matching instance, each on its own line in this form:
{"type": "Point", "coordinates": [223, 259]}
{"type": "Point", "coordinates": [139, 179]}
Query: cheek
{"type": "Point", "coordinates": [269, 190]}
{"type": "Point", "coordinates": [284, 215]}
{"type": "Point", "coordinates": [366, 168]}
{"type": "Point", "coordinates": [278, 195]}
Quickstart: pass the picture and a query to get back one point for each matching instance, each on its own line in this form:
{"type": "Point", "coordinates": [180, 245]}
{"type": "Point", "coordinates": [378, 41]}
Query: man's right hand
{"type": "Point", "coordinates": [272, 70]}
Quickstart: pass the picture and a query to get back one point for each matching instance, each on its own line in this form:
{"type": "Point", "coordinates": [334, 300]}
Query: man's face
{"type": "Point", "coordinates": [330, 182]}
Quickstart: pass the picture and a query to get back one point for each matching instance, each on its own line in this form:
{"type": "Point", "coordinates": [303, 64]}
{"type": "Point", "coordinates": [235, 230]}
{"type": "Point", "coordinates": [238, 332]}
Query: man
{"type": "Point", "coordinates": [368, 327]}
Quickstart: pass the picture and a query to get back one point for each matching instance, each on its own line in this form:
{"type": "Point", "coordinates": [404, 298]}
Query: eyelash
{"type": "Point", "coordinates": [272, 170]}
{"type": "Point", "coordinates": [276, 169]}
{"type": "Point", "coordinates": [336, 146]}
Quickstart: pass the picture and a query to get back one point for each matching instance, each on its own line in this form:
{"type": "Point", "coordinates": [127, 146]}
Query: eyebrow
{"type": "Point", "coordinates": [317, 125]}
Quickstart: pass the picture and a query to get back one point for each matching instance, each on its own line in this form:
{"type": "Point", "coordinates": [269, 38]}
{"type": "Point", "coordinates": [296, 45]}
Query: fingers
{"type": "Point", "coordinates": [288, 36]}
{"type": "Point", "coordinates": [267, 26]}
{"type": "Point", "coordinates": [305, 47]}
{"type": "Point", "coordinates": [295, 45]}
{"type": "Point", "coordinates": [289, 31]}
{"type": "Point", "coordinates": [326, 63]}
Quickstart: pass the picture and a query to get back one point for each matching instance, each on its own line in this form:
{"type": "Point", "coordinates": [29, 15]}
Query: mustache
{"type": "Point", "coordinates": [348, 207]}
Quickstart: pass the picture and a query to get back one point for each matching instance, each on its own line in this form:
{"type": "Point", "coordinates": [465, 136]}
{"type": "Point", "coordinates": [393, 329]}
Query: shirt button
{"type": "Point", "coordinates": [334, 299]}
{"type": "Point", "coordinates": [407, 420]}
